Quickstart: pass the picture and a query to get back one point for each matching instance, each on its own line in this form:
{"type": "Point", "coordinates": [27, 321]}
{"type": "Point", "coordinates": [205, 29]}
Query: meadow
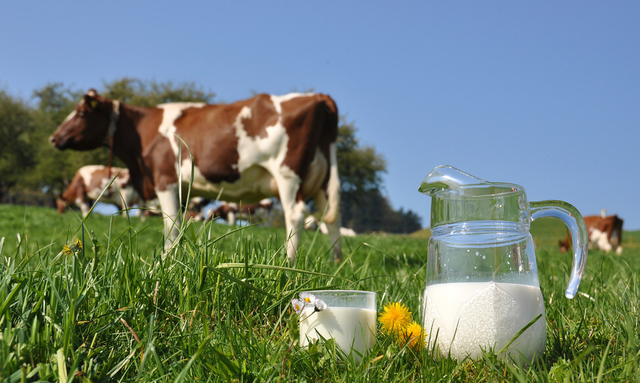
{"type": "Point", "coordinates": [216, 307]}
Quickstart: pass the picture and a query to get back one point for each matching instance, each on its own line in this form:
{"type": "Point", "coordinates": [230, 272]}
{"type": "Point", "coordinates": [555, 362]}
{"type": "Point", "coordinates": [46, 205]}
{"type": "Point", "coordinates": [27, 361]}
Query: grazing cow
{"type": "Point", "coordinates": [265, 146]}
{"type": "Point", "coordinates": [605, 233]}
{"type": "Point", "coordinates": [231, 211]}
{"type": "Point", "coordinates": [88, 183]}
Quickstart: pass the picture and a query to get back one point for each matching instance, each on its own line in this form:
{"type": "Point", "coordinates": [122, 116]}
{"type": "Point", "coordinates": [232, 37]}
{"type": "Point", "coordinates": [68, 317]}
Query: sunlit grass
{"type": "Point", "coordinates": [216, 308]}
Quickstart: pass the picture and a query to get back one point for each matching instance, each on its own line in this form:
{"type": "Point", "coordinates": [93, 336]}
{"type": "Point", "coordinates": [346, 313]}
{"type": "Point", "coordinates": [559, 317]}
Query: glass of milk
{"type": "Point", "coordinates": [349, 317]}
{"type": "Point", "coordinates": [482, 289]}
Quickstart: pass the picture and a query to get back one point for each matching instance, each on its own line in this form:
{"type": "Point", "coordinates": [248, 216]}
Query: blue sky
{"type": "Point", "coordinates": [542, 94]}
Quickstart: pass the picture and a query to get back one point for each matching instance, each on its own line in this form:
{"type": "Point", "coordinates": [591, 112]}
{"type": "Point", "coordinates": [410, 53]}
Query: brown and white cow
{"type": "Point", "coordinates": [89, 181]}
{"type": "Point", "coordinates": [265, 146]}
{"type": "Point", "coordinates": [231, 211]}
{"type": "Point", "coordinates": [605, 233]}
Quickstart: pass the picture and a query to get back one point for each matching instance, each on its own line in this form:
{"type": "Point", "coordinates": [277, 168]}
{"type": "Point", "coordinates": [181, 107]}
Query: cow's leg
{"type": "Point", "coordinates": [328, 201]}
{"type": "Point", "coordinates": [170, 207]}
{"type": "Point", "coordinates": [333, 226]}
{"type": "Point", "coordinates": [294, 210]}
{"type": "Point", "coordinates": [83, 205]}
{"type": "Point", "coordinates": [231, 218]}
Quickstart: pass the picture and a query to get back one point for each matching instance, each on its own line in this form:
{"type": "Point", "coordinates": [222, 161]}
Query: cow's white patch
{"type": "Point", "coordinates": [185, 172]}
{"type": "Point", "coordinates": [278, 100]}
{"type": "Point", "coordinates": [267, 151]}
{"type": "Point", "coordinates": [245, 112]}
{"type": "Point", "coordinates": [599, 239]}
{"type": "Point", "coordinates": [171, 112]}
{"type": "Point", "coordinates": [69, 117]}
{"type": "Point", "coordinates": [86, 172]}
{"type": "Point", "coordinates": [288, 173]}
{"type": "Point", "coordinates": [94, 193]}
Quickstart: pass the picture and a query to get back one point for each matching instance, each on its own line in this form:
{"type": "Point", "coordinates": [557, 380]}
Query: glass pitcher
{"type": "Point", "coordinates": [482, 289]}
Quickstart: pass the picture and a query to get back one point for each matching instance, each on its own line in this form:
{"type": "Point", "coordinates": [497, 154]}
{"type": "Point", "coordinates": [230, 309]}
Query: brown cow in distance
{"type": "Point", "coordinates": [605, 233]}
{"type": "Point", "coordinates": [265, 146]}
{"type": "Point", "coordinates": [88, 183]}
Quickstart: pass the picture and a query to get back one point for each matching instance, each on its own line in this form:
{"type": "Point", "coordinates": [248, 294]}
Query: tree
{"type": "Point", "coordinates": [149, 93]}
{"type": "Point", "coordinates": [362, 204]}
{"type": "Point", "coordinates": [16, 128]}
{"type": "Point", "coordinates": [361, 168]}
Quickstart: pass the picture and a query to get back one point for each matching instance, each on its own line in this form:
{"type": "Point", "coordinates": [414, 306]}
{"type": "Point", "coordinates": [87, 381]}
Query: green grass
{"type": "Point", "coordinates": [216, 307]}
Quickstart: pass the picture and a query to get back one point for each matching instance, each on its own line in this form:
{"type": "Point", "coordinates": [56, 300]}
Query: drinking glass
{"type": "Point", "coordinates": [349, 318]}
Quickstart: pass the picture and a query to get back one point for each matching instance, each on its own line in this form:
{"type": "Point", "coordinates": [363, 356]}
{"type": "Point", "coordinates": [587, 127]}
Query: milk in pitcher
{"type": "Point", "coordinates": [465, 317]}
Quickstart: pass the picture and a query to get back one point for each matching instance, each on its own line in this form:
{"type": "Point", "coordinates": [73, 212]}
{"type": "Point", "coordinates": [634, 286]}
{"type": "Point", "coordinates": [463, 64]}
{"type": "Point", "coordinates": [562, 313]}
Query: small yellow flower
{"type": "Point", "coordinates": [413, 336]}
{"type": "Point", "coordinates": [395, 318]}
{"type": "Point", "coordinates": [70, 249]}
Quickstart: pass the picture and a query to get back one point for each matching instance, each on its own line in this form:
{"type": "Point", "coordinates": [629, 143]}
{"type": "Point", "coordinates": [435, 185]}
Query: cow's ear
{"type": "Point", "coordinates": [91, 99]}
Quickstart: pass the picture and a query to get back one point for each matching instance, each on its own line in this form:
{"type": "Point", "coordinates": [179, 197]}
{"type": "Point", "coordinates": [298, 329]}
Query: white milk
{"type": "Point", "coordinates": [349, 326]}
{"type": "Point", "coordinates": [487, 315]}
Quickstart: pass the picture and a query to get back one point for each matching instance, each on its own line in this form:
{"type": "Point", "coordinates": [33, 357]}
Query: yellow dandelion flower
{"type": "Point", "coordinates": [72, 248]}
{"type": "Point", "coordinates": [395, 318]}
{"type": "Point", "coordinates": [413, 336]}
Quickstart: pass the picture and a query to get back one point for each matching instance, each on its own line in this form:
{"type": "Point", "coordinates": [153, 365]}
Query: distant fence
{"type": "Point", "coordinates": [26, 197]}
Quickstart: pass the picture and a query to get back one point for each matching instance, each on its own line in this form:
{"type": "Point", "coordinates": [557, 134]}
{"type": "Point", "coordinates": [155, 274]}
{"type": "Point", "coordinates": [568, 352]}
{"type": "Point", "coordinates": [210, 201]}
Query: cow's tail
{"type": "Point", "coordinates": [332, 214]}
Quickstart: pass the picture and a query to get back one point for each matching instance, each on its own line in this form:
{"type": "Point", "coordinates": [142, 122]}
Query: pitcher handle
{"type": "Point", "coordinates": [574, 221]}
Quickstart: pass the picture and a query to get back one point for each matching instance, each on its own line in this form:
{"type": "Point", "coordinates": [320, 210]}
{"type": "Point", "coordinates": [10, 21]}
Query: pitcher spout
{"type": "Point", "coordinates": [445, 177]}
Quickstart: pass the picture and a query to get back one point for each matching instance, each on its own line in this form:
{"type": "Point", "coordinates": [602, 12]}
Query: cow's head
{"type": "Point", "coordinates": [61, 205]}
{"type": "Point", "coordinates": [87, 126]}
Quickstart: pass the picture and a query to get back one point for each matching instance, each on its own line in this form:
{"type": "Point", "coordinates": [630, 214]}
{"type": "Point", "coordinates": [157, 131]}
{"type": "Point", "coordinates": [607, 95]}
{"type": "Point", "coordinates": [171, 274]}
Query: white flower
{"type": "Point", "coordinates": [298, 305]}
{"type": "Point", "coordinates": [308, 298]}
{"type": "Point", "coordinates": [319, 305]}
